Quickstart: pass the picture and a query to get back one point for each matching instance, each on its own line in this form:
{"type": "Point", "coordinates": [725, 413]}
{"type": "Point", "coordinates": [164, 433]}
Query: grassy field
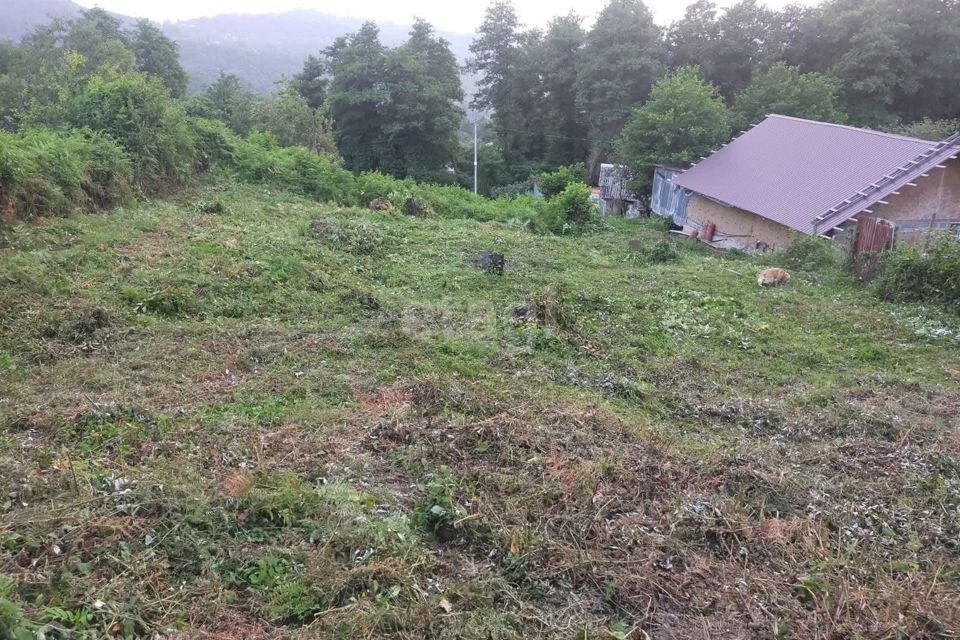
{"type": "Point", "coordinates": [241, 414]}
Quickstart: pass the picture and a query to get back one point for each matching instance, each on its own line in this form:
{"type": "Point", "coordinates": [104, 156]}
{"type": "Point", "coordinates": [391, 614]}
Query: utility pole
{"type": "Point", "coordinates": [474, 156]}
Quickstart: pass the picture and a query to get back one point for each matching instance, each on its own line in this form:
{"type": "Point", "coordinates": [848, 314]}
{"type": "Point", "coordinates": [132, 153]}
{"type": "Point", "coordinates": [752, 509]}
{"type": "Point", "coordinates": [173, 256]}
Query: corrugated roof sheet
{"type": "Point", "coordinates": [794, 171]}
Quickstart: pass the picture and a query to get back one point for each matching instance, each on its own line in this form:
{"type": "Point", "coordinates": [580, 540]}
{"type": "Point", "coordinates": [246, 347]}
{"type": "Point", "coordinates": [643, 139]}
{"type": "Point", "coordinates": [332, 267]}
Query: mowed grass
{"type": "Point", "coordinates": [283, 419]}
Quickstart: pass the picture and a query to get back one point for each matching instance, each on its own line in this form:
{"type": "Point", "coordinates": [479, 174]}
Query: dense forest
{"type": "Point", "coordinates": [625, 90]}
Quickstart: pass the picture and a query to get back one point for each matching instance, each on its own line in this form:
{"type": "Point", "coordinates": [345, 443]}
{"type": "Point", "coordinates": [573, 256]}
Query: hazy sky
{"type": "Point", "coordinates": [449, 15]}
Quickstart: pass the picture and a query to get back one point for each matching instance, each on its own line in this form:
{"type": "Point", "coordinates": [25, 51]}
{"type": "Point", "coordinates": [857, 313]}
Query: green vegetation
{"type": "Point", "coordinates": [244, 412]}
{"type": "Point", "coordinates": [922, 274]}
{"type": "Point", "coordinates": [45, 173]}
{"type": "Point", "coordinates": [789, 92]}
{"type": "Point", "coordinates": [809, 253]}
{"type": "Point", "coordinates": [248, 392]}
{"type": "Point", "coordinates": [396, 110]}
{"type": "Point", "coordinates": [683, 121]}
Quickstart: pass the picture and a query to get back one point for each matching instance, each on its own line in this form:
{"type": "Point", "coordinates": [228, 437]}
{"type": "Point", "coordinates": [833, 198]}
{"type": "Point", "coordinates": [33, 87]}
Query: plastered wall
{"type": "Point", "coordinates": [743, 229]}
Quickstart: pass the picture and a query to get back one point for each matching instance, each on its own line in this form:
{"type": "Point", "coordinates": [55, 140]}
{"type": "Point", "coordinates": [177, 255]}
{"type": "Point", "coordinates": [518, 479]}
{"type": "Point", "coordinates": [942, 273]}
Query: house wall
{"type": "Point", "coordinates": [741, 228]}
{"type": "Point", "coordinates": [937, 194]}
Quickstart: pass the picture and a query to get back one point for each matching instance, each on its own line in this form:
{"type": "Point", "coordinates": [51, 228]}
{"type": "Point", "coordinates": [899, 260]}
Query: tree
{"type": "Point", "coordinates": [684, 120]}
{"type": "Point", "coordinates": [288, 117]}
{"type": "Point", "coordinates": [730, 45]}
{"type": "Point", "coordinates": [100, 39]}
{"type": "Point", "coordinates": [743, 44]}
{"type": "Point", "coordinates": [894, 59]}
{"type": "Point", "coordinates": [229, 101]}
{"type": "Point", "coordinates": [159, 56]}
{"type": "Point", "coordinates": [356, 65]}
{"type": "Point", "coordinates": [421, 115]}
{"type": "Point", "coordinates": [785, 90]}
{"type": "Point", "coordinates": [928, 129]}
{"type": "Point", "coordinates": [504, 84]}
{"type": "Point", "coordinates": [932, 42]}
{"type": "Point", "coordinates": [311, 83]}
{"type": "Point", "coordinates": [620, 62]}
{"type": "Point", "coordinates": [566, 135]}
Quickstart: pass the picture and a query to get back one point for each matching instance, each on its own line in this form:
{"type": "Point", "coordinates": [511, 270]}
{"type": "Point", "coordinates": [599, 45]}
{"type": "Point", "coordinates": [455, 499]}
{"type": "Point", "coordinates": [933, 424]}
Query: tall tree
{"type": "Point", "coordinates": [311, 83]}
{"type": "Point", "coordinates": [932, 41]}
{"type": "Point", "coordinates": [421, 115]}
{"type": "Point", "coordinates": [729, 45]}
{"type": "Point", "coordinates": [743, 43]}
{"type": "Point", "coordinates": [684, 119]}
{"type": "Point", "coordinates": [503, 85]}
{"type": "Point", "coordinates": [158, 55]}
{"type": "Point", "coordinates": [100, 39]}
{"type": "Point", "coordinates": [356, 64]}
{"type": "Point", "coordinates": [562, 44]}
{"type": "Point", "coordinates": [620, 62]}
{"type": "Point", "coordinates": [785, 90]}
{"type": "Point", "coordinates": [862, 43]}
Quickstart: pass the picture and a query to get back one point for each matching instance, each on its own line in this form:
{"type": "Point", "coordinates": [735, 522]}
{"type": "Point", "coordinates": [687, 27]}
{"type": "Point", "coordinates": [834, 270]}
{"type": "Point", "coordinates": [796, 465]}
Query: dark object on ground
{"type": "Point", "coordinates": [492, 262]}
{"type": "Point", "coordinates": [634, 245]}
{"type": "Point", "coordinates": [413, 208]}
{"type": "Point", "coordinates": [520, 312]}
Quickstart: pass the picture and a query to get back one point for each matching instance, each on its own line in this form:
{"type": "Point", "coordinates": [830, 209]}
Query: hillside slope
{"type": "Point", "coordinates": [245, 414]}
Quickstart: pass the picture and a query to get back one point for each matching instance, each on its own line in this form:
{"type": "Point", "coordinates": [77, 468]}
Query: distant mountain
{"type": "Point", "coordinates": [20, 17]}
{"type": "Point", "coordinates": [259, 49]}
{"type": "Point", "coordinates": [262, 48]}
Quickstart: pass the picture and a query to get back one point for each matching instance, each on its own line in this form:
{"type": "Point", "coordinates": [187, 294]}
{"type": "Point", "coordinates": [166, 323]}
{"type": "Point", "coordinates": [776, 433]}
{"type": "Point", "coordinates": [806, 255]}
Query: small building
{"type": "Point", "coordinates": [787, 176]}
{"type": "Point", "coordinates": [615, 198]}
{"type": "Point", "coordinates": [667, 199]}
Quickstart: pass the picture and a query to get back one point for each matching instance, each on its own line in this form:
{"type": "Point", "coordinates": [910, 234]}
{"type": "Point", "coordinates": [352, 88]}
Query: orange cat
{"type": "Point", "coordinates": [773, 277]}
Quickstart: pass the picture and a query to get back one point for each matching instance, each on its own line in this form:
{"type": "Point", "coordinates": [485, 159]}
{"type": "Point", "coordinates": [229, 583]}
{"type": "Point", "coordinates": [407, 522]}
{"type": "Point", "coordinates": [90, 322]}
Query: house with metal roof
{"type": "Point", "coordinates": [787, 175]}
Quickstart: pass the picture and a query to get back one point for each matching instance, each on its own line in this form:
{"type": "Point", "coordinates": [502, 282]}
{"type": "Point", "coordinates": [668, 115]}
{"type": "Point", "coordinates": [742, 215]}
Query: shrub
{"type": "Point", "coordinates": [215, 143]}
{"type": "Point", "coordinates": [906, 274]}
{"type": "Point", "coordinates": [553, 183]}
{"type": "Point", "coordinates": [808, 253]}
{"type": "Point", "coordinates": [315, 175]}
{"type": "Point", "coordinates": [372, 185]}
{"type": "Point", "coordinates": [136, 111]}
{"type": "Point", "coordinates": [47, 173]}
{"type": "Point", "coordinates": [512, 190]}
{"type": "Point", "coordinates": [660, 252]}
{"type": "Point", "coordinates": [571, 210]}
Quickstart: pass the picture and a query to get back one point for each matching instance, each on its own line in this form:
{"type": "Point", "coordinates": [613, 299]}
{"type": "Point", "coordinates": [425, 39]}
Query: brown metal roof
{"type": "Point", "coordinates": [811, 175]}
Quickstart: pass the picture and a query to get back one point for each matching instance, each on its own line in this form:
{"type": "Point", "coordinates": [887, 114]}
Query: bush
{"type": "Point", "coordinates": [215, 143]}
{"type": "Point", "coordinates": [906, 274]}
{"type": "Point", "coordinates": [259, 158]}
{"type": "Point", "coordinates": [571, 210]}
{"type": "Point", "coordinates": [553, 183]}
{"type": "Point", "coordinates": [46, 173]}
{"type": "Point", "coordinates": [512, 190]}
{"type": "Point", "coordinates": [372, 185]}
{"type": "Point", "coordinates": [660, 252]}
{"type": "Point", "coordinates": [315, 175]}
{"type": "Point", "coordinates": [809, 253]}
{"type": "Point", "coordinates": [136, 111]}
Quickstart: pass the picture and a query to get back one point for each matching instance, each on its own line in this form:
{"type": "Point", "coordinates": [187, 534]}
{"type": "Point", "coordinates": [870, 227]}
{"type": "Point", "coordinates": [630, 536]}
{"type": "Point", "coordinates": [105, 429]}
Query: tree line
{"type": "Point", "coordinates": [625, 90]}
{"type": "Point", "coordinates": [93, 116]}
{"type": "Point", "coordinates": [566, 94]}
